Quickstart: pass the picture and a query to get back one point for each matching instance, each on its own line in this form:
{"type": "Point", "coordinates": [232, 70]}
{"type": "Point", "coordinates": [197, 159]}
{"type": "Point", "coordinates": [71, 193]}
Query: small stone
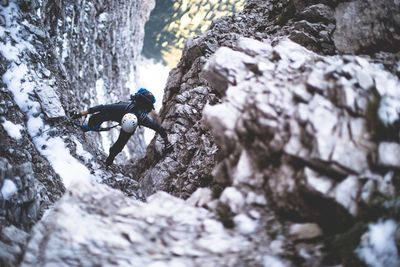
{"type": "Point", "coordinates": [46, 72]}
{"type": "Point", "coordinates": [316, 80]}
{"type": "Point", "coordinates": [233, 198]}
{"type": "Point", "coordinates": [244, 224]}
{"type": "Point", "coordinates": [364, 80]}
{"type": "Point", "coordinates": [388, 155]}
{"type": "Point", "coordinates": [346, 194]}
{"type": "Point", "coordinates": [318, 182]}
{"type": "Point", "coordinates": [277, 247]}
{"type": "Point", "coordinates": [200, 197]}
{"type": "Point", "coordinates": [305, 231]}
{"type": "Point", "coordinates": [367, 191]}
{"type": "Point", "coordinates": [318, 13]}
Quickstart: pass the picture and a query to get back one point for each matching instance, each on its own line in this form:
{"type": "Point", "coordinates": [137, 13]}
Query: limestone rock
{"type": "Point", "coordinates": [228, 67]}
{"type": "Point", "coordinates": [12, 244]}
{"type": "Point", "coordinates": [305, 231]}
{"type": "Point", "coordinates": [388, 154]}
{"type": "Point", "coordinates": [317, 13]}
{"type": "Point", "coordinates": [50, 102]}
{"type": "Point", "coordinates": [165, 230]}
{"type": "Point", "coordinates": [375, 29]}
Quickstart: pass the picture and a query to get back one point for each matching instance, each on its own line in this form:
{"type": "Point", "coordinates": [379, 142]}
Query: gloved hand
{"type": "Point", "coordinates": [109, 160]}
{"type": "Point", "coordinates": [168, 148]}
{"type": "Point", "coordinates": [75, 115]}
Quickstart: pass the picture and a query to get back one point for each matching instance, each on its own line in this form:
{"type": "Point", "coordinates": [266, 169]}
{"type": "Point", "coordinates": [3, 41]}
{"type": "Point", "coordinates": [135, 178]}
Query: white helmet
{"type": "Point", "coordinates": [129, 122]}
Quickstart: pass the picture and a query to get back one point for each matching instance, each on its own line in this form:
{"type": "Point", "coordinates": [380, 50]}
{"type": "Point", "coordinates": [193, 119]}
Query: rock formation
{"type": "Point", "coordinates": [97, 60]}
{"type": "Point", "coordinates": [37, 142]}
{"type": "Point", "coordinates": [285, 149]}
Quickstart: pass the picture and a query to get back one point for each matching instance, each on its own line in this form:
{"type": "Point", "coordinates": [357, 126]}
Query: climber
{"type": "Point", "coordinates": [129, 115]}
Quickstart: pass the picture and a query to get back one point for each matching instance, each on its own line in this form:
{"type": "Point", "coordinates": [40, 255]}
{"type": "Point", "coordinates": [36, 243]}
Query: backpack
{"type": "Point", "coordinates": [145, 98]}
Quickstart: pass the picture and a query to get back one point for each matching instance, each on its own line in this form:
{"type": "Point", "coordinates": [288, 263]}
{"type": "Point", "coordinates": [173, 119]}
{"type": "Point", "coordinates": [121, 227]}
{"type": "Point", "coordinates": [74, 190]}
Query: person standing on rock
{"type": "Point", "coordinates": [129, 115]}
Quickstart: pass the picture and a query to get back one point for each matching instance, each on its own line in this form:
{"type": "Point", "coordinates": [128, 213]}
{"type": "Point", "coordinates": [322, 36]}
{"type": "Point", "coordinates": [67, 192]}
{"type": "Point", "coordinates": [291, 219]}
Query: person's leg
{"type": "Point", "coordinates": [118, 146]}
{"type": "Point", "coordinates": [95, 121]}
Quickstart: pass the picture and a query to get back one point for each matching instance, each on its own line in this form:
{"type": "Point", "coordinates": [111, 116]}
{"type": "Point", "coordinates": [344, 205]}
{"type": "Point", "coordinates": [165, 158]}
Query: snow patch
{"type": "Point", "coordinates": [13, 130]}
{"type": "Point", "coordinates": [68, 167]}
{"type": "Point", "coordinates": [8, 189]}
{"type": "Point", "coordinates": [21, 79]}
{"type": "Point", "coordinates": [378, 245]}
{"type": "Point", "coordinates": [80, 151]}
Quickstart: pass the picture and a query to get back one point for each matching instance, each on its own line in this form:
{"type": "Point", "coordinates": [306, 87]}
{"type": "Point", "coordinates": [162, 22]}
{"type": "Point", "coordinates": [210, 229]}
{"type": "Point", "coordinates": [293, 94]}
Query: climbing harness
{"type": "Point", "coordinates": [69, 119]}
{"type": "Point", "coordinates": [100, 129]}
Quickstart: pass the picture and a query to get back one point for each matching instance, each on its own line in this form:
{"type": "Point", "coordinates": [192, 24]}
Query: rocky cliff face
{"type": "Point", "coordinates": [98, 43]}
{"type": "Point", "coordinates": [41, 153]}
{"type": "Point", "coordinates": [285, 150]}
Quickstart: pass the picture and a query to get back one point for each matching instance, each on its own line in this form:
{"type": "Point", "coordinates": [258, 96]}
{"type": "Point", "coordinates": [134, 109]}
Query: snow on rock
{"type": "Point", "coordinates": [378, 246]}
{"type": "Point", "coordinates": [13, 130]}
{"type": "Point", "coordinates": [245, 224]}
{"type": "Point", "coordinates": [8, 189]}
{"type": "Point", "coordinates": [317, 115]}
{"type": "Point", "coordinates": [388, 154]}
{"type": "Point", "coordinates": [25, 81]}
{"type": "Point", "coordinates": [50, 102]}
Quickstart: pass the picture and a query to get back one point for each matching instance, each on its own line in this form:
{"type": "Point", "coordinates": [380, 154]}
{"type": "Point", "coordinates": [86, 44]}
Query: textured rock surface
{"type": "Point", "coordinates": [165, 231]}
{"type": "Point", "coordinates": [297, 133]}
{"type": "Point", "coordinates": [293, 148]}
{"type": "Point", "coordinates": [98, 44]}
{"type": "Point", "coordinates": [43, 153]}
{"type": "Point", "coordinates": [310, 24]}
{"type": "Point", "coordinates": [12, 245]}
{"type": "Point", "coordinates": [376, 27]}
{"type": "Point", "coordinates": [310, 125]}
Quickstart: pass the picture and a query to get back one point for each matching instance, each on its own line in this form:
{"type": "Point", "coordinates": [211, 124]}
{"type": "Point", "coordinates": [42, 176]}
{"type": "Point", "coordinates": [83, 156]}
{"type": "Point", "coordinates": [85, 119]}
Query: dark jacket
{"type": "Point", "coordinates": [115, 112]}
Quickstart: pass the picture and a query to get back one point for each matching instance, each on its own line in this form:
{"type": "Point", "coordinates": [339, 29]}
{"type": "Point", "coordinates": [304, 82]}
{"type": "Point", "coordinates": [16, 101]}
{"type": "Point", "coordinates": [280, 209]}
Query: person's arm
{"type": "Point", "coordinates": [76, 115]}
{"type": "Point", "coordinates": [146, 121]}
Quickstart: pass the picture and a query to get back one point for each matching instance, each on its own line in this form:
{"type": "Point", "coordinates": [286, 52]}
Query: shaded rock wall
{"type": "Point", "coordinates": [310, 24]}
{"type": "Point", "coordinates": [43, 152]}
{"type": "Point", "coordinates": [300, 141]}
{"type": "Point", "coordinates": [98, 43]}
{"type": "Point", "coordinates": [376, 28]}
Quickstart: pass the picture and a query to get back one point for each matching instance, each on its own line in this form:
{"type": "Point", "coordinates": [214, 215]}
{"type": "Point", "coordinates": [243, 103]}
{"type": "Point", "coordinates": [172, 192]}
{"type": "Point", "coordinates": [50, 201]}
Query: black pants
{"type": "Point", "coordinates": [94, 123]}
